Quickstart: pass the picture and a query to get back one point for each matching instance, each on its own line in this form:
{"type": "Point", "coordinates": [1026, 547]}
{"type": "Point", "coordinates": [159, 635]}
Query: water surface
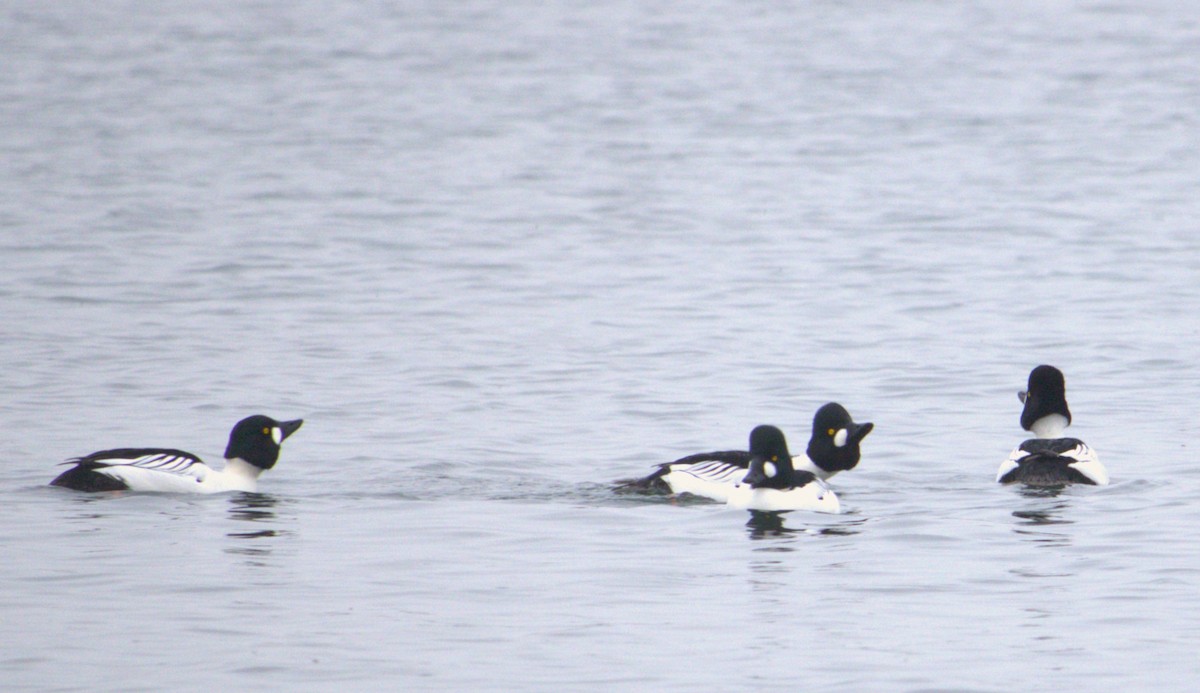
{"type": "Point", "coordinates": [499, 255]}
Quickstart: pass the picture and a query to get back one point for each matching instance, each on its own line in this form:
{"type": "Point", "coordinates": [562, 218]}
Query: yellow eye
{"type": "Point", "coordinates": [774, 458]}
{"type": "Point", "coordinates": [267, 431]}
{"type": "Point", "coordinates": [830, 432]}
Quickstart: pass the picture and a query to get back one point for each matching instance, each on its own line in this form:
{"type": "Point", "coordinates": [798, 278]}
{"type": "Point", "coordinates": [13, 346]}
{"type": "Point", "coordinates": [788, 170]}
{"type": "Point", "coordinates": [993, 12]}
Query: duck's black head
{"type": "Point", "coordinates": [835, 438]}
{"type": "Point", "coordinates": [1045, 395]}
{"type": "Point", "coordinates": [256, 439]}
{"type": "Point", "coordinates": [770, 461]}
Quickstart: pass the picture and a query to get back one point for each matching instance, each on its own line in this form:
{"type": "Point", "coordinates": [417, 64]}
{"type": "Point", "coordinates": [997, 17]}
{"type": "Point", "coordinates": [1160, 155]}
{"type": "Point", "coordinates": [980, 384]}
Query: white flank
{"type": "Point", "coordinates": [1011, 463]}
{"type": "Point", "coordinates": [708, 479]}
{"type": "Point", "coordinates": [238, 475]}
{"type": "Point", "coordinates": [1088, 464]}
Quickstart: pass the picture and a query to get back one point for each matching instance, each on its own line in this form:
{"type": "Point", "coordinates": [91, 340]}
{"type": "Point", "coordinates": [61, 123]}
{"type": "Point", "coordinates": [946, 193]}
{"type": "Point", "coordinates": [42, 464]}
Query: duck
{"type": "Point", "coordinates": [772, 484]}
{"type": "Point", "coordinates": [832, 448]}
{"type": "Point", "coordinates": [253, 448]}
{"type": "Point", "coordinates": [1049, 459]}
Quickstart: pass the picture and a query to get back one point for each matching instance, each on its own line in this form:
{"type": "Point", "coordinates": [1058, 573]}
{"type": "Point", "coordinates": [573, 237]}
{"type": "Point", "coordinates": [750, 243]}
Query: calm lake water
{"type": "Point", "coordinates": [500, 255]}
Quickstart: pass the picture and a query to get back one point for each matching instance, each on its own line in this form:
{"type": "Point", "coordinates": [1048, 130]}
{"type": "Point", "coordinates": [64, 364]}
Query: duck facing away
{"type": "Point", "coordinates": [1050, 459]}
{"type": "Point", "coordinates": [253, 448]}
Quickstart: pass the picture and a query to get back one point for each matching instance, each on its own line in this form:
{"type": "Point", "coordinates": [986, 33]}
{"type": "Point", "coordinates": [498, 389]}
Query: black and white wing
{"type": "Point", "coordinates": [724, 467]}
{"type": "Point", "coordinates": [139, 469]}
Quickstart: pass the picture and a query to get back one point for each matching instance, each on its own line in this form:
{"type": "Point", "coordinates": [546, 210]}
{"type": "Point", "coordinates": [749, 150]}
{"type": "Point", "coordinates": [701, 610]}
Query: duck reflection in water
{"type": "Point", "coordinates": [1041, 523]}
{"type": "Point", "coordinates": [764, 525]}
{"type": "Point", "coordinates": [253, 507]}
{"type": "Point", "coordinates": [1044, 515]}
{"type": "Point", "coordinates": [770, 525]}
{"type": "Point", "coordinates": [1042, 491]}
{"type": "Point", "coordinates": [1048, 512]}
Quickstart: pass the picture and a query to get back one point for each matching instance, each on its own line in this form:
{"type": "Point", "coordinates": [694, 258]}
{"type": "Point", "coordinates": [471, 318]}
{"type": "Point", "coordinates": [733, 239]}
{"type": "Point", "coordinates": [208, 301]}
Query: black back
{"type": "Point", "coordinates": [654, 483]}
{"type": "Point", "coordinates": [1050, 447]}
{"type": "Point", "coordinates": [1045, 465]}
{"type": "Point", "coordinates": [738, 458]}
{"type": "Point", "coordinates": [1041, 471]}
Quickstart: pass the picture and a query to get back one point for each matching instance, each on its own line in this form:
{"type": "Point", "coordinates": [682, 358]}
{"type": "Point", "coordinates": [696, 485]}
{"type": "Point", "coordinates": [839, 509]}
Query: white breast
{"type": "Point", "coordinates": [815, 496]}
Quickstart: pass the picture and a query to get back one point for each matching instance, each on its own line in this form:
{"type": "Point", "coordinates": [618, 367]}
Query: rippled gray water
{"type": "Point", "coordinates": [499, 255]}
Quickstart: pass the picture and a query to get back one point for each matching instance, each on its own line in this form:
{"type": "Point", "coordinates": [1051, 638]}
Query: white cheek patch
{"type": "Point", "coordinates": [769, 470]}
{"type": "Point", "coordinates": [840, 439]}
{"type": "Point", "coordinates": [277, 435]}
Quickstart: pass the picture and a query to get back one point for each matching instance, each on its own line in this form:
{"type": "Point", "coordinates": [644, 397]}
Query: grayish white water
{"type": "Point", "coordinates": [499, 255]}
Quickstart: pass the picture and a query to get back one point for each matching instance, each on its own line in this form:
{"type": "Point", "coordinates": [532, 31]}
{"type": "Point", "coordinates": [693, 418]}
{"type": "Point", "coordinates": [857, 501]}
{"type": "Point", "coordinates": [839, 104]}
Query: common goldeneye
{"type": "Point", "coordinates": [833, 447]}
{"type": "Point", "coordinates": [253, 448]}
{"type": "Point", "coordinates": [773, 484]}
{"type": "Point", "coordinates": [1049, 459]}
